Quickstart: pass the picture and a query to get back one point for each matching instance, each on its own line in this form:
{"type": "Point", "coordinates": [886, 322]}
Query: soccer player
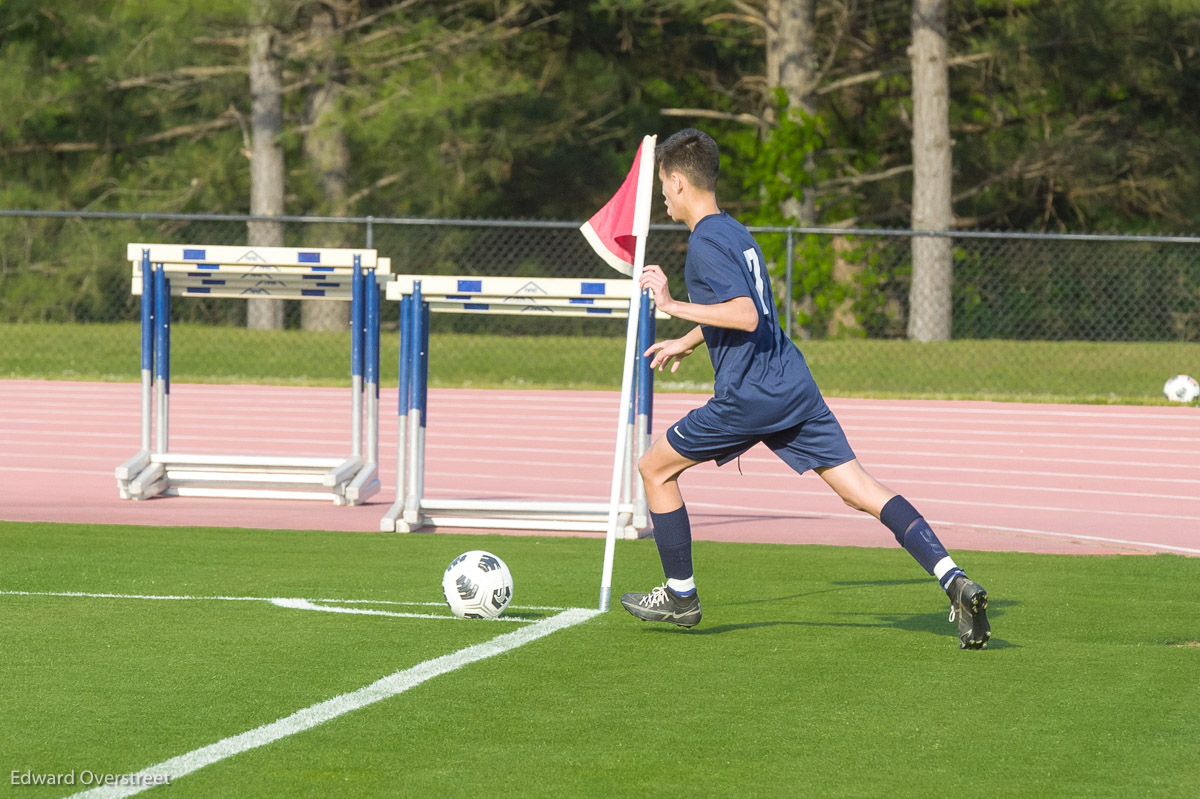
{"type": "Point", "coordinates": [763, 392]}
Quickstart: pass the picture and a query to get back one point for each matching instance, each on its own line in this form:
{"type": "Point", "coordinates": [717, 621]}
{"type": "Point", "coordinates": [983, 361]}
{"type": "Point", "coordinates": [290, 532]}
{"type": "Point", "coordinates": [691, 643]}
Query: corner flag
{"type": "Point", "coordinates": [617, 232]}
{"type": "Point", "coordinates": [613, 230]}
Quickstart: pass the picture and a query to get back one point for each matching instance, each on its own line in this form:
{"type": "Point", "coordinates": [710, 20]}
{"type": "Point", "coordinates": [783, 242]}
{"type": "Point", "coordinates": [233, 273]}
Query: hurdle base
{"type": "Point", "coordinates": [133, 466]}
{"type": "Point", "coordinates": [365, 484]}
{"type": "Point", "coordinates": [147, 475]}
{"type": "Point", "coordinates": [432, 514]}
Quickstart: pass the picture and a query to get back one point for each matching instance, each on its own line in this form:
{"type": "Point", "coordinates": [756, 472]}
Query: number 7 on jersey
{"type": "Point", "coordinates": [755, 268]}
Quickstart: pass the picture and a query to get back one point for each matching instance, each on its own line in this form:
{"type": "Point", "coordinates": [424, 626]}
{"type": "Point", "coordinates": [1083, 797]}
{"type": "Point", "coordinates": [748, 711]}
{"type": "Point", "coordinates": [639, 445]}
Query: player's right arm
{"type": "Point", "coordinates": [672, 351]}
{"type": "Point", "coordinates": [736, 313]}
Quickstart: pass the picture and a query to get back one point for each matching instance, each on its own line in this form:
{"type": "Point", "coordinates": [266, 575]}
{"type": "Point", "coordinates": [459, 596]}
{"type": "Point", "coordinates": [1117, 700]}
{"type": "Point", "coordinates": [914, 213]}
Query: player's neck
{"type": "Point", "coordinates": [700, 208]}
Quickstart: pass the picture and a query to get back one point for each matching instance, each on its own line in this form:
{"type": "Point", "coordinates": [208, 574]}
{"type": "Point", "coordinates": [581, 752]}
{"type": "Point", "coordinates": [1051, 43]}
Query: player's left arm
{"type": "Point", "coordinates": [740, 313]}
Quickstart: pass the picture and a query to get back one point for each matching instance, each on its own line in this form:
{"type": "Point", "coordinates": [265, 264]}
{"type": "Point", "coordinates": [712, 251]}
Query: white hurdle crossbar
{"type": "Point", "coordinates": [162, 271]}
{"type": "Point", "coordinates": [418, 295]}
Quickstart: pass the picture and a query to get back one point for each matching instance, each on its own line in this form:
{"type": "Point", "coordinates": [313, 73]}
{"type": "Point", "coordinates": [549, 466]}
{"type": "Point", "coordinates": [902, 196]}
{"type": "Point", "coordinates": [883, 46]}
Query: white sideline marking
{"type": "Point", "coordinates": [322, 712]}
{"type": "Point", "coordinates": [304, 604]}
{"type": "Point", "coordinates": [429, 604]}
{"type": "Point", "coordinates": [298, 603]}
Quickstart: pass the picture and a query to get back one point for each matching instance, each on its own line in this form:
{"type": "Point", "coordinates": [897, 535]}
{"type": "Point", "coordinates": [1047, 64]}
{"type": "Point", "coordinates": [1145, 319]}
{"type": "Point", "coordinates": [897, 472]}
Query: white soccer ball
{"type": "Point", "coordinates": [1182, 388]}
{"type": "Point", "coordinates": [477, 585]}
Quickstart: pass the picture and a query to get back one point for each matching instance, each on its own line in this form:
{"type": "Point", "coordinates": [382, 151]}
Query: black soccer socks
{"type": "Point", "coordinates": [918, 539]}
{"type": "Point", "coordinates": [673, 536]}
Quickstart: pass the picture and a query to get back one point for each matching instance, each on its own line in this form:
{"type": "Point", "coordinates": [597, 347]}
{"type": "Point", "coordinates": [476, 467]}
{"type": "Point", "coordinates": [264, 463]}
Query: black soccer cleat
{"type": "Point", "coordinates": [968, 604]}
{"type": "Point", "coordinates": [663, 604]}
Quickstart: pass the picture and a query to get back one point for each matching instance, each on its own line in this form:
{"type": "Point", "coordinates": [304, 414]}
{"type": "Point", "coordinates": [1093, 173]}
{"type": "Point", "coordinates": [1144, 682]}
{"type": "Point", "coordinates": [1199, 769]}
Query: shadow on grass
{"type": "Point", "coordinates": [933, 623]}
{"type": "Point", "coordinates": [839, 585]}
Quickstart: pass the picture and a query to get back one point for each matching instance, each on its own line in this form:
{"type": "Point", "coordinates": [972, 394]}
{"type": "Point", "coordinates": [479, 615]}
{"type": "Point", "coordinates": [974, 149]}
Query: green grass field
{"type": "Point", "coordinates": [1091, 372]}
{"type": "Point", "coordinates": [817, 671]}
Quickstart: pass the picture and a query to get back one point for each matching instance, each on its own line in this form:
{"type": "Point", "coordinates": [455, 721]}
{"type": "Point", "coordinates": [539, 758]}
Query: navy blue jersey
{"type": "Point", "coordinates": [763, 384]}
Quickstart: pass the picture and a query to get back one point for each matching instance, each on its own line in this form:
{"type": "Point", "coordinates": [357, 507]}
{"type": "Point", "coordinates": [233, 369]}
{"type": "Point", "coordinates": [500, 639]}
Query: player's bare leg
{"type": "Point", "coordinates": [675, 602]}
{"type": "Point", "coordinates": [968, 600]}
{"type": "Point", "coordinates": [660, 467]}
{"type": "Point", "coordinates": [856, 487]}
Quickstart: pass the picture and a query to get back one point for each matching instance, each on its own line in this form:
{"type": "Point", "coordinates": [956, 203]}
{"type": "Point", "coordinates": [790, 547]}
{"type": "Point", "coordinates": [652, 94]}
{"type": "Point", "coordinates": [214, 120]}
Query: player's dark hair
{"type": "Point", "coordinates": [694, 154]}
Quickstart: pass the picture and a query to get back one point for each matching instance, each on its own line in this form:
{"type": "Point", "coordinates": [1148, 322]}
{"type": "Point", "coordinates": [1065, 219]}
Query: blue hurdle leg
{"type": "Point", "coordinates": [421, 312]}
{"type": "Point", "coordinates": [645, 399]}
{"type": "Point", "coordinates": [147, 352]}
{"type": "Point", "coordinates": [393, 520]}
{"type": "Point", "coordinates": [366, 482]}
{"type": "Point", "coordinates": [647, 406]}
{"type": "Point", "coordinates": [356, 358]}
{"type": "Point", "coordinates": [405, 378]}
{"type": "Point", "coordinates": [371, 366]}
{"type": "Point", "coordinates": [412, 503]}
{"type": "Point", "coordinates": [162, 344]}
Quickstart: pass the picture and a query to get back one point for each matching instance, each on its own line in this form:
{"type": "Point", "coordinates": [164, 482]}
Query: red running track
{"type": "Point", "coordinates": [989, 476]}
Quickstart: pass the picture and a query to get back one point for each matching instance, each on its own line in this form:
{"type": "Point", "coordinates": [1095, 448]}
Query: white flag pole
{"type": "Point", "coordinates": [641, 227]}
{"type": "Point", "coordinates": [614, 500]}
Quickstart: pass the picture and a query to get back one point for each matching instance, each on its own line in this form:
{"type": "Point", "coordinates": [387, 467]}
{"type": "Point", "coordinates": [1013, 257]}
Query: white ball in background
{"type": "Point", "coordinates": [1182, 388]}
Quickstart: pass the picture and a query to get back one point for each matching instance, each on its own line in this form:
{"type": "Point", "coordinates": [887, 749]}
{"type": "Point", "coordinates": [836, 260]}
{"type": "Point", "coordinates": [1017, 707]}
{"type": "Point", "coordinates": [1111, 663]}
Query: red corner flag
{"type": "Point", "coordinates": [614, 229]}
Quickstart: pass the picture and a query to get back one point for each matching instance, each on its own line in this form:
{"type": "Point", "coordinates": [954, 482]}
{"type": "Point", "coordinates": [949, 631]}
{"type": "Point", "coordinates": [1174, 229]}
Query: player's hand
{"type": "Point", "coordinates": [654, 279]}
{"type": "Point", "coordinates": [669, 352]}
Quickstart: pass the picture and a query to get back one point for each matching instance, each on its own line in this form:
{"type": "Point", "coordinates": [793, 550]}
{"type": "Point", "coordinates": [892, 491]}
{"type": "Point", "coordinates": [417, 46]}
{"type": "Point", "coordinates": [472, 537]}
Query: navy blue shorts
{"type": "Point", "coordinates": [815, 442]}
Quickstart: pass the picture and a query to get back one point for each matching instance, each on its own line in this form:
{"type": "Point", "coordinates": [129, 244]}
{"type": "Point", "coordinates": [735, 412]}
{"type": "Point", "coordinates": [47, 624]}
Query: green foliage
{"type": "Point", "coordinates": [836, 281]}
{"type": "Point", "coordinates": [1071, 116]}
{"type": "Point", "coordinates": [777, 165]}
{"type": "Point", "coordinates": [1083, 117]}
{"type": "Point", "coordinates": [1073, 292]}
{"type": "Point", "coordinates": [87, 84]}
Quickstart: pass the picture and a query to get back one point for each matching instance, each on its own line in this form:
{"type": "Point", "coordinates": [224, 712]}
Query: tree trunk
{"type": "Point", "coordinates": [326, 151]}
{"type": "Point", "coordinates": [266, 156]}
{"type": "Point", "coordinates": [792, 65]}
{"type": "Point", "coordinates": [929, 296]}
{"type": "Point", "coordinates": [791, 51]}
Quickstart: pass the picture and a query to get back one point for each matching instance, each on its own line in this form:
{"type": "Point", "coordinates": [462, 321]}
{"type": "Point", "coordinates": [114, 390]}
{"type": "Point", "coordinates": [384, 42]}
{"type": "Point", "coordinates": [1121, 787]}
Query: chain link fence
{"type": "Point", "coordinates": [1080, 318]}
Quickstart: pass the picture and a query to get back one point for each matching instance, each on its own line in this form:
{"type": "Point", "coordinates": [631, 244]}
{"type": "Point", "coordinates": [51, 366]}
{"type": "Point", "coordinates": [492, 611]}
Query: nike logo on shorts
{"type": "Point", "coordinates": [681, 435]}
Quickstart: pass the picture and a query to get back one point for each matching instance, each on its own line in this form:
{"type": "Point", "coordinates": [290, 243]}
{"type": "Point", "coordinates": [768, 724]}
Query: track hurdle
{"type": "Point", "coordinates": [418, 296]}
{"type": "Point", "coordinates": [162, 271]}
